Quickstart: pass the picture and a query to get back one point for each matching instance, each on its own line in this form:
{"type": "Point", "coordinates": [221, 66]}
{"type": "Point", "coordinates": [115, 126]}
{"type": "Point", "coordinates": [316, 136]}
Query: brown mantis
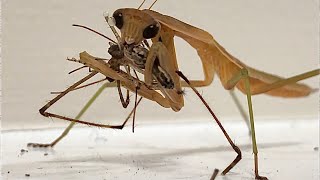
{"type": "Point", "coordinates": [215, 60]}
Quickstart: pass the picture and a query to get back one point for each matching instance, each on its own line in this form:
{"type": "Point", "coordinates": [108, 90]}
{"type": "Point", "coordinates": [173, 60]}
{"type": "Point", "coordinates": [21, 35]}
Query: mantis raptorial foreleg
{"type": "Point", "coordinates": [169, 83]}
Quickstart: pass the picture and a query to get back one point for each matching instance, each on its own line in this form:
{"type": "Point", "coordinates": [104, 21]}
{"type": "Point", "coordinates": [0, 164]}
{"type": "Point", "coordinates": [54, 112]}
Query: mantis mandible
{"type": "Point", "coordinates": [138, 25]}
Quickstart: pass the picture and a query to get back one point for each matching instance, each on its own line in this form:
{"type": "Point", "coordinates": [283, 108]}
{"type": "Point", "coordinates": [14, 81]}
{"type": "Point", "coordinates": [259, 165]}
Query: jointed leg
{"type": "Point", "coordinates": [83, 110]}
{"type": "Point", "coordinates": [235, 148]}
{"type": "Point", "coordinates": [275, 85]}
{"type": "Point", "coordinates": [135, 108]}
{"type": "Point", "coordinates": [126, 102]}
{"type": "Point", "coordinates": [86, 85]}
{"type": "Point", "coordinates": [50, 103]}
{"type": "Point", "coordinates": [77, 69]}
{"type": "Point", "coordinates": [102, 125]}
{"type": "Point", "coordinates": [243, 74]}
{"type": "Point", "coordinates": [287, 81]}
{"type": "Point", "coordinates": [263, 89]}
{"type": "Point", "coordinates": [240, 108]}
{"type": "Point", "coordinates": [215, 174]}
{"type": "Point", "coordinates": [66, 131]}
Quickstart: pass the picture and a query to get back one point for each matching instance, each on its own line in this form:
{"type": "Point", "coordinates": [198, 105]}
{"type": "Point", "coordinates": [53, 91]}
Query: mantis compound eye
{"type": "Point", "coordinates": [118, 18]}
{"type": "Point", "coordinates": [151, 31]}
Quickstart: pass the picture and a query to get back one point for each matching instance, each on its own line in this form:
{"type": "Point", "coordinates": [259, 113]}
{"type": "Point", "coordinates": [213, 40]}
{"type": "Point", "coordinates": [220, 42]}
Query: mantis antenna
{"type": "Point", "coordinates": [85, 27]}
{"type": "Point", "coordinates": [141, 4]}
{"type": "Point", "coordinates": [144, 2]}
{"type": "Point", "coordinates": [152, 4]}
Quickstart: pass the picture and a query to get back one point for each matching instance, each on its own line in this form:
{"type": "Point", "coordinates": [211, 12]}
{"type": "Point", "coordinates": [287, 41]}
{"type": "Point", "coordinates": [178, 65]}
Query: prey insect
{"type": "Point", "coordinates": [160, 70]}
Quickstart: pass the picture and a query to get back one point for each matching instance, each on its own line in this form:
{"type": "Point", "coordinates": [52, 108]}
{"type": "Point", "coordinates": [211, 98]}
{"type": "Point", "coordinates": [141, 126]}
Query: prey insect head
{"type": "Point", "coordinates": [135, 26]}
{"type": "Point", "coordinates": [115, 51]}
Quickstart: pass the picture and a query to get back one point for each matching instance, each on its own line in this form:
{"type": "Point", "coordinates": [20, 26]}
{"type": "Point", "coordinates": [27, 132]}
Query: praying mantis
{"type": "Point", "coordinates": [215, 60]}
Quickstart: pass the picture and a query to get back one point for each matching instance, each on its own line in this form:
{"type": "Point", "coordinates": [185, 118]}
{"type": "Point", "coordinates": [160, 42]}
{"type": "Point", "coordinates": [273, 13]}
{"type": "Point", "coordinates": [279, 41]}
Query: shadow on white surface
{"type": "Point", "coordinates": [164, 151]}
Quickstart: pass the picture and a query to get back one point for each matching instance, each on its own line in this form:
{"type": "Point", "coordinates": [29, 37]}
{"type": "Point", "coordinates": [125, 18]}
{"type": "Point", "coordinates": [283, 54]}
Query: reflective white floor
{"type": "Point", "coordinates": [287, 150]}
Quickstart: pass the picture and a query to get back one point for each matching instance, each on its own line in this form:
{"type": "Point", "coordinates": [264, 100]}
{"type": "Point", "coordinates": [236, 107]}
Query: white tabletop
{"type": "Point", "coordinates": [287, 150]}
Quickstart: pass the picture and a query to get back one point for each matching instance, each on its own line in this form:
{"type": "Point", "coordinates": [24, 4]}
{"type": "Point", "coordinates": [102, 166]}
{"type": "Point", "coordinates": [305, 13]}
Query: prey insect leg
{"type": "Point", "coordinates": [126, 102]}
{"type": "Point", "coordinates": [50, 103]}
{"type": "Point", "coordinates": [87, 60]}
{"type": "Point", "coordinates": [86, 85]}
{"type": "Point", "coordinates": [76, 69]}
{"type": "Point", "coordinates": [134, 109]}
{"type": "Point", "coordinates": [235, 148]}
{"type": "Point", "coordinates": [47, 114]}
{"type": "Point", "coordinates": [67, 130]}
{"type": "Point", "coordinates": [44, 108]}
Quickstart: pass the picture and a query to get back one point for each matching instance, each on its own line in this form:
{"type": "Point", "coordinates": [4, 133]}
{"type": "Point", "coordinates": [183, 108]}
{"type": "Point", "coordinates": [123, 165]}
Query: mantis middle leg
{"type": "Point", "coordinates": [266, 88]}
{"type": "Point", "coordinates": [235, 148]}
{"type": "Point", "coordinates": [243, 74]}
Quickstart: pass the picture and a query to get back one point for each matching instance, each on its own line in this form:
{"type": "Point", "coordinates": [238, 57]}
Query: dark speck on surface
{"type": "Point", "coordinates": [316, 148]}
{"type": "Point", "coordinates": [27, 175]}
{"type": "Point", "coordinates": [23, 150]}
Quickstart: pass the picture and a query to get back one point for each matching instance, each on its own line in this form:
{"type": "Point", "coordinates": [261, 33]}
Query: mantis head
{"type": "Point", "coordinates": [135, 26]}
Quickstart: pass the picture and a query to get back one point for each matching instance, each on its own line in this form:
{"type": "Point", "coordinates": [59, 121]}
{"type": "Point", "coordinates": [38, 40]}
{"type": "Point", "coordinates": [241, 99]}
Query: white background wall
{"type": "Point", "coordinates": [280, 37]}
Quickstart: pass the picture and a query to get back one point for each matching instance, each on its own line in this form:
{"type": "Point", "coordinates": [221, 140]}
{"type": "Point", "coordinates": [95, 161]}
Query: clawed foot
{"type": "Point", "coordinates": [261, 177]}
